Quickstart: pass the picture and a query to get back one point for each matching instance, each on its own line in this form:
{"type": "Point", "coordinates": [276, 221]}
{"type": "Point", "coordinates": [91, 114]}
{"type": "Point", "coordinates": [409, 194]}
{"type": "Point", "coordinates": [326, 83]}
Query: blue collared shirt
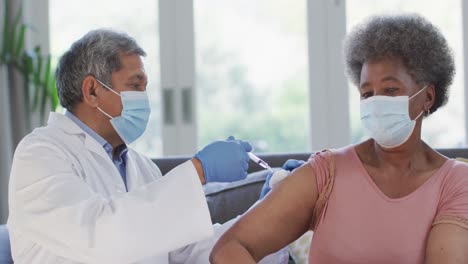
{"type": "Point", "coordinates": [120, 157]}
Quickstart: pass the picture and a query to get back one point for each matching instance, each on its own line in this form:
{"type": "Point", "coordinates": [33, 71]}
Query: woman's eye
{"type": "Point", "coordinates": [366, 95]}
{"type": "Point", "coordinates": [391, 90]}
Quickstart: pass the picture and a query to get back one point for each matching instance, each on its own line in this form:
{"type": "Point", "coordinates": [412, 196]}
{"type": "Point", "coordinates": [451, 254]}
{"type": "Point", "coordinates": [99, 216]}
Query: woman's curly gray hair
{"type": "Point", "coordinates": [410, 37]}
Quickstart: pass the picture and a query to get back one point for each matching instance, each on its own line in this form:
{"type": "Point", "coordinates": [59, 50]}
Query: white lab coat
{"type": "Point", "coordinates": [68, 203]}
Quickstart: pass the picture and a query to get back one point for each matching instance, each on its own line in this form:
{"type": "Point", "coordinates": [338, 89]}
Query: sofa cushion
{"type": "Point", "coordinates": [228, 200]}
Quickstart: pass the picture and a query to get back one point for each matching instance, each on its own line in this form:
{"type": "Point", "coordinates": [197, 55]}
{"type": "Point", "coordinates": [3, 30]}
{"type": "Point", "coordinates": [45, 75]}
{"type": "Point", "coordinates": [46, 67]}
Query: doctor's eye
{"type": "Point", "coordinates": [135, 86]}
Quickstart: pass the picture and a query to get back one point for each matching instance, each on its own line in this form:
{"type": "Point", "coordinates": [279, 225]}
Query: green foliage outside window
{"type": "Point", "coordinates": [34, 67]}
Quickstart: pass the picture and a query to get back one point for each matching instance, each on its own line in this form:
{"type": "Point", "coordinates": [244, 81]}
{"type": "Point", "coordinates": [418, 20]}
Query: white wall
{"type": "Point", "coordinates": [328, 93]}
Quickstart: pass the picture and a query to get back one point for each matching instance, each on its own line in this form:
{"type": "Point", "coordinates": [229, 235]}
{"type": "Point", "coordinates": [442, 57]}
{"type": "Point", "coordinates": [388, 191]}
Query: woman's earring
{"type": "Point", "coordinates": [427, 112]}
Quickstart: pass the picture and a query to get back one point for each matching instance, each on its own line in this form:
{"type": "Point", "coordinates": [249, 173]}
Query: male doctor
{"type": "Point", "coordinates": [79, 194]}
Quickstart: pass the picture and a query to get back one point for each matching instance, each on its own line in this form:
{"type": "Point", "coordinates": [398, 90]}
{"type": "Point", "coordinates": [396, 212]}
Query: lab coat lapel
{"type": "Point", "coordinates": [92, 145]}
{"type": "Point", "coordinates": [68, 126]}
{"type": "Point", "coordinates": [95, 149]}
{"type": "Point", "coordinates": [132, 174]}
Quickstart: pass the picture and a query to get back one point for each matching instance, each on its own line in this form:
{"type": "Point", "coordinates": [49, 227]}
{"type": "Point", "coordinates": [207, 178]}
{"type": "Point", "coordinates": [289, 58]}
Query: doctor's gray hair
{"type": "Point", "coordinates": [419, 44]}
{"type": "Point", "coordinates": [98, 54]}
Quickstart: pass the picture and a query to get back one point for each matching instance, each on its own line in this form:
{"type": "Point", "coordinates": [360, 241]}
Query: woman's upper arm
{"type": "Point", "coordinates": [283, 215]}
{"type": "Point", "coordinates": [447, 243]}
{"type": "Point", "coordinates": [448, 239]}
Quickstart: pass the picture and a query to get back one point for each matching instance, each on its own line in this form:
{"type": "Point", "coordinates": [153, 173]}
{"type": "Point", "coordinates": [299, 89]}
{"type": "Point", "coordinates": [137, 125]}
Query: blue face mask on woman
{"type": "Point", "coordinates": [386, 119]}
{"type": "Point", "coordinates": [132, 122]}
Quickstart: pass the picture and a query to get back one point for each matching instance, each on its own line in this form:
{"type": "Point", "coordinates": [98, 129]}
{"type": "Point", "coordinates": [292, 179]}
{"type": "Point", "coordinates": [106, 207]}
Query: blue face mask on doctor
{"type": "Point", "coordinates": [132, 122]}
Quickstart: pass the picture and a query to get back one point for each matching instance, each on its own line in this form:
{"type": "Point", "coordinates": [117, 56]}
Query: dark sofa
{"type": "Point", "coordinates": [228, 200]}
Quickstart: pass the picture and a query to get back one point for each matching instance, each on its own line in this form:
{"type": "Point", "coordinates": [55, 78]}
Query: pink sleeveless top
{"type": "Point", "coordinates": [360, 224]}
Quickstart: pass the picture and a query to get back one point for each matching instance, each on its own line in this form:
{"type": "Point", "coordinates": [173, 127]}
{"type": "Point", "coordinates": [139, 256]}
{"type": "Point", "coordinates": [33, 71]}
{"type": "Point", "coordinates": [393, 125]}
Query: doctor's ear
{"type": "Point", "coordinates": [89, 88]}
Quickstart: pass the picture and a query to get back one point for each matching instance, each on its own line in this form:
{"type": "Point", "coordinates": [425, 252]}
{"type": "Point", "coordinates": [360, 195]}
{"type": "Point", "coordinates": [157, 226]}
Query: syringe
{"type": "Point", "coordinates": [259, 161]}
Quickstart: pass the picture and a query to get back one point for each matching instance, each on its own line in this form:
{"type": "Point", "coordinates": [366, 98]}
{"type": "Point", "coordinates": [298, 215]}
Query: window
{"type": "Point", "coordinates": [448, 18]}
{"type": "Point", "coordinates": [251, 73]}
{"type": "Point", "coordinates": [70, 20]}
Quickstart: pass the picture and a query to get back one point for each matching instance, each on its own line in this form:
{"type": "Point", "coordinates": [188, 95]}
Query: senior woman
{"type": "Point", "coordinates": [389, 199]}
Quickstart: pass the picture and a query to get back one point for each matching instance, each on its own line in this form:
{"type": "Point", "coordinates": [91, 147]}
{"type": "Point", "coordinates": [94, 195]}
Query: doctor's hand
{"type": "Point", "coordinates": [288, 166]}
{"type": "Point", "coordinates": [225, 160]}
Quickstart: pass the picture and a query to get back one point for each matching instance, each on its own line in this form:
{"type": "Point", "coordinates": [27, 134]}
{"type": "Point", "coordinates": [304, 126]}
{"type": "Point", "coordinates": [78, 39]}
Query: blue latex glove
{"type": "Point", "coordinates": [225, 160]}
{"type": "Point", "coordinates": [289, 165]}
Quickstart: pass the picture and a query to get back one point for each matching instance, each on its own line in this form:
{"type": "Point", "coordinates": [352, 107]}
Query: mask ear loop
{"type": "Point", "coordinates": [421, 114]}
{"type": "Point", "coordinates": [110, 89]}
{"type": "Point", "coordinates": [426, 111]}
{"type": "Point", "coordinates": [104, 113]}
{"type": "Point", "coordinates": [418, 92]}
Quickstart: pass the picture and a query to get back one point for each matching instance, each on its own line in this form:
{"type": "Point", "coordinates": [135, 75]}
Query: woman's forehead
{"type": "Point", "coordinates": [388, 69]}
